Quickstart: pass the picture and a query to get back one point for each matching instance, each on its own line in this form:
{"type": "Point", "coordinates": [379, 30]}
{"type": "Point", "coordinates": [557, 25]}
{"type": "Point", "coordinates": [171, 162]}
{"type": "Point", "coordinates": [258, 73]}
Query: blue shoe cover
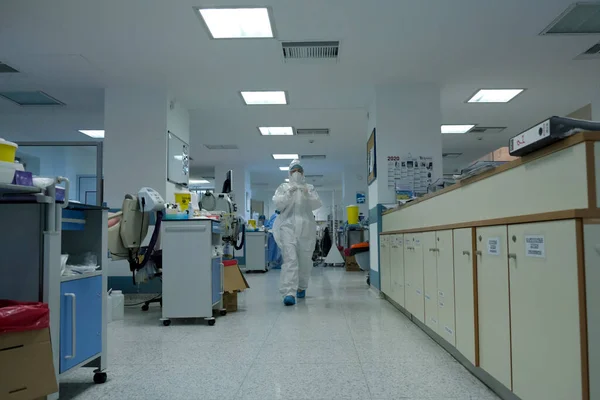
{"type": "Point", "coordinates": [289, 300]}
{"type": "Point", "coordinates": [301, 294]}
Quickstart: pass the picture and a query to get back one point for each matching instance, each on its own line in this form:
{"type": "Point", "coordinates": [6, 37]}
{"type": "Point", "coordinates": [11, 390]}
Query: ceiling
{"type": "Point", "coordinates": [72, 49]}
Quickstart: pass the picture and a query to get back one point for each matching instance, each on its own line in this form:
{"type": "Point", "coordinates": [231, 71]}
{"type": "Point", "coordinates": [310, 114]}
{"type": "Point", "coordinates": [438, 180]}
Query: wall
{"type": "Point", "coordinates": [135, 123]}
{"type": "Point", "coordinates": [355, 180]}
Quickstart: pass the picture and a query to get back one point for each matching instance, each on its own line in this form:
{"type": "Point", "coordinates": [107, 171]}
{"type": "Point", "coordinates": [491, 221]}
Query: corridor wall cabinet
{"type": "Point", "coordinates": [464, 292]}
{"type": "Point", "coordinates": [494, 308]}
{"type": "Point", "coordinates": [499, 269]}
{"type": "Point", "coordinates": [397, 268]}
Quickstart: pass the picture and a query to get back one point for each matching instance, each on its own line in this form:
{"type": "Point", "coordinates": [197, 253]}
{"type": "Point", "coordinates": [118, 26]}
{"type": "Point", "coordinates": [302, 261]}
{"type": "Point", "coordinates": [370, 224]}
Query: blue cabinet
{"type": "Point", "coordinates": [216, 280]}
{"type": "Point", "coordinates": [80, 321]}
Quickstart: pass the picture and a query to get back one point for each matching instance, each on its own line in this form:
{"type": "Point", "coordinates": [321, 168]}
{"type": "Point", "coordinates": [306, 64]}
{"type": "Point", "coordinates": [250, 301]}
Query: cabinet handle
{"type": "Point", "coordinates": [432, 249]}
{"type": "Point", "coordinates": [512, 255]}
{"type": "Point", "coordinates": [466, 253]}
{"type": "Point", "coordinates": [479, 253]}
{"type": "Point", "coordinates": [74, 326]}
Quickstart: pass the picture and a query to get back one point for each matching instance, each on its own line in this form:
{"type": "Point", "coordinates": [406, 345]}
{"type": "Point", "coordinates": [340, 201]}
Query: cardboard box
{"type": "Point", "coordinates": [351, 264]}
{"type": "Point", "coordinates": [26, 366]}
{"type": "Point", "coordinates": [234, 282]}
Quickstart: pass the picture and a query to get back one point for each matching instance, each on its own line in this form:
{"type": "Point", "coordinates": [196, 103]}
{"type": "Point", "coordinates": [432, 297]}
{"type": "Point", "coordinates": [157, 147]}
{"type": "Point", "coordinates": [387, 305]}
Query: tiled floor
{"type": "Point", "coordinates": [341, 342]}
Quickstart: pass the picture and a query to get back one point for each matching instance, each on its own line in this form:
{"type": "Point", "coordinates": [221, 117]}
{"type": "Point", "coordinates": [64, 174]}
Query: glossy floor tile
{"type": "Point", "coordinates": [340, 343]}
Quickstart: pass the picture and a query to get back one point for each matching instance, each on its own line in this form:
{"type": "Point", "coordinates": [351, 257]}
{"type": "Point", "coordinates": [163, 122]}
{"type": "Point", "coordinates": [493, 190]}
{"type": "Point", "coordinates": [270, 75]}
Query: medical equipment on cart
{"type": "Point", "coordinates": [232, 225]}
{"type": "Point", "coordinates": [127, 230]}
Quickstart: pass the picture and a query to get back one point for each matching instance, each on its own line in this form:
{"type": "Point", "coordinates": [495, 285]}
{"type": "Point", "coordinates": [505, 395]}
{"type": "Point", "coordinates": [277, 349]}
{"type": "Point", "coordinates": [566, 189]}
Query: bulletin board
{"type": "Point", "coordinates": [178, 160]}
{"type": "Point", "coordinates": [371, 159]}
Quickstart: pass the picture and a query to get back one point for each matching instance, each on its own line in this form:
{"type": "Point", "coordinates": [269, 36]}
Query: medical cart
{"type": "Point", "coordinates": [192, 269]}
{"type": "Point", "coordinates": [256, 251]}
{"type": "Point", "coordinates": [37, 230]}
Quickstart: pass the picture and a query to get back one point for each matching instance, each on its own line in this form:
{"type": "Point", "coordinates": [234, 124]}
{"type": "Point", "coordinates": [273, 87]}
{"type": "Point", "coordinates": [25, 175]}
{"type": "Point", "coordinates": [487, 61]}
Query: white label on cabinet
{"type": "Point", "coordinates": [493, 246]}
{"type": "Point", "coordinates": [535, 246]}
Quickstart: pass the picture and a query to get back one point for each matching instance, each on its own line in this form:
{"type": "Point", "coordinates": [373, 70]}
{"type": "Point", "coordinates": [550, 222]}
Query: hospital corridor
{"type": "Point", "coordinates": [331, 346]}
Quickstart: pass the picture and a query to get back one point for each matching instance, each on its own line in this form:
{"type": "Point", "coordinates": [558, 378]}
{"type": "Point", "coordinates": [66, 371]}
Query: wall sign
{"type": "Point", "coordinates": [361, 198]}
{"type": "Point", "coordinates": [493, 246]}
{"type": "Point", "coordinates": [535, 246]}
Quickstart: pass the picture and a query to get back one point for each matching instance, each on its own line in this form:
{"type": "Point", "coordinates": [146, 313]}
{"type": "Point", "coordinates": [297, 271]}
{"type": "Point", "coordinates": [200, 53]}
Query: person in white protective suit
{"type": "Point", "coordinates": [295, 231]}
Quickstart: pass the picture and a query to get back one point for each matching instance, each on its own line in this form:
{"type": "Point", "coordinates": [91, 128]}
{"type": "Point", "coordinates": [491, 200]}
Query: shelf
{"type": "Point", "coordinates": [76, 277]}
{"type": "Point", "coordinates": [18, 189]}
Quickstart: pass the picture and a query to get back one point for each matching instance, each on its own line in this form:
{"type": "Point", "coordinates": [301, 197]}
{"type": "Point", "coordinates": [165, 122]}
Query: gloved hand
{"type": "Point", "coordinates": [293, 189]}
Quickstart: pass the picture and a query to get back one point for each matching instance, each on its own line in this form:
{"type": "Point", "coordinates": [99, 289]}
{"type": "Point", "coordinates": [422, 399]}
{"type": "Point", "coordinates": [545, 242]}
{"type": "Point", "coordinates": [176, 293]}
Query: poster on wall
{"type": "Point", "coordinates": [371, 158]}
{"type": "Point", "coordinates": [361, 198]}
{"type": "Point", "coordinates": [409, 176]}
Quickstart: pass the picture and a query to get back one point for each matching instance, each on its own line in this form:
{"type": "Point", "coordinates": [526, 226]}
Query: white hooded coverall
{"type": "Point", "coordinates": [295, 231]}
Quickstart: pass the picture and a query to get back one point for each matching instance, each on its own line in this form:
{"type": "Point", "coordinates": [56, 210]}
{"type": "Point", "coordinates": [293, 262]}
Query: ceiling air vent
{"type": "Point", "coordinates": [309, 132]}
{"type": "Point", "coordinates": [310, 51]}
{"type": "Point", "coordinates": [582, 18]}
{"type": "Point", "coordinates": [4, 68]}
{"type": "Point", "coordinates": [221, 146]}
{"type": "Point", "coordinates": [313, 157]}
{"type": "Point", "coordinates": [487, 130]}
{"type": "Point", "coordinates": [36, 98]}
{"type": "Point", "coordinates": [451, 155]}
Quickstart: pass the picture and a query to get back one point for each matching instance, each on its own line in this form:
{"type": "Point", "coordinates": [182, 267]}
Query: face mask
{"type": "Point", "coordinates": [296, 177]}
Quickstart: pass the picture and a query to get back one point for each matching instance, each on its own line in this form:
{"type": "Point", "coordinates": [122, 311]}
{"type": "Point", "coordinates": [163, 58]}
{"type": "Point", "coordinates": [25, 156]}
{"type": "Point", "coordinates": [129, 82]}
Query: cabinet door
{"type": "Point", "coordinates": [544, 295]}
{"type": "Point", "coordinates": [464, 293]}
{"type": "Point", "coordinates": [494, 312]}
{"type": "Point", "coordinates": [384, 270]}
{"type": "Point", "coordinates": [445, 292]}
{"type": "Point", "coordinates": [430, 280]}
{"type": "Point", "coordinates": [397, 258]}
{"type": "Point", "coordinates": [417, 276]}
{"type": "Point", "coordinates": [409, 287]}
{"type": "Point", "coordinates": [80, 321]}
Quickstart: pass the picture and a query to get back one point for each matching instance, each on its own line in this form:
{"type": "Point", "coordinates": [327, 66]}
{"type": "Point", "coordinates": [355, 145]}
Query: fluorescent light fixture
{"type": "Point", "coordinates": [495, 95]}
{"type": "Point", "coordinates": [287, 179]}
{"type": "Point", "coordinates": [284, 168]}
{"type": "Point", "coordinates": [198, 181]}
{"type": "Point", "coordinates": [276, 130]}
{"type": "Point", "coordinates": [264, 97]}
{"type": "Point", "coordinates": [457, 128]}
{"type": "Point", "coordinates": [96, 134]}
{"type": "Point", "coordinates": [237, 23]}
{"type": "Point", "coordinates": [285, 156]}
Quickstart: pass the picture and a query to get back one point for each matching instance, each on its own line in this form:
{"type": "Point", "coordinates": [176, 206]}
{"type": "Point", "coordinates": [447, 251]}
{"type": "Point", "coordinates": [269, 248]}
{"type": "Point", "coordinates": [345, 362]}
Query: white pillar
{"type": "Point", "coordinates": [136, 122]}
{"type": "Point", "coordinates": [407, 120]}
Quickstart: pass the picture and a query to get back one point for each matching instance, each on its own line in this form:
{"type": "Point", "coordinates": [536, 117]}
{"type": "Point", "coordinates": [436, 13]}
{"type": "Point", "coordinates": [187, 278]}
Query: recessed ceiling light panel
{"type": "Point", "coordinates": [264, 97]}
{"type": "Point", "coordinates": [456, 128]}
{"type": "Point", "coordinates": [495, 95]}
{"type": "Point", "coordinates": [285, 156]}
{"type": "Point", "coordinates": [93, 133]}
{"type": "Point", "coordinates": [237, 23]}
{"type": "Point", "coordinates": [276, 130]}
{"type": "Point", "coordinates": [33, 98]}
{"type": "Point", "coordinates": [198, 181]}
{"type": "Point", "coordinates": [284, 168]}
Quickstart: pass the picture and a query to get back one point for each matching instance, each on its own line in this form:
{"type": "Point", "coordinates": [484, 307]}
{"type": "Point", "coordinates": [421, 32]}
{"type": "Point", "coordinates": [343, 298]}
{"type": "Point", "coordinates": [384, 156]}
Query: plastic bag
{"type": "Point", "coordinates": [63, 263]}
{"type": "Point", "coordinates": [86, 263]}
{"type": "Point", "coordinates": [16, 316]}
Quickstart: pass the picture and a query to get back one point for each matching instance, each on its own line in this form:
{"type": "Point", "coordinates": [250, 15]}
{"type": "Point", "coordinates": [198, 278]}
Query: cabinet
{"type": "Point", "coordinates": [430, 280]}
{"type": "Point", "coordinates": [493, 300]}
{"type": "Point", "coordinates": [384, 267]}
{"type": "Point", "coordinates": [81, 321]}
{"type": "Point", "coordinates": [545, 310]}
{"type": "Point", "coordinates": [445, 286]}
{"type": "Point", "coordinates": [413, 264]}
{"type": "Point", "coordinates": [464, 293]}
{"type": "Point", "coordinates": [397, 269]}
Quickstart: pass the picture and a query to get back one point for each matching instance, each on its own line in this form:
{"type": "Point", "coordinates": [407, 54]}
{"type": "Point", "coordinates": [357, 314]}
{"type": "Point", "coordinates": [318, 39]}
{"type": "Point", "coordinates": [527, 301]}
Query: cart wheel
{"type": "Point", "coordinates": [145, 307]}
{"type": "Point", "coordinates": [223, 312]}
{"type": "Point", "coordinates": [211, 322]}
{"type": "Point", "coordinates": [369, 281]}
{"type": "Point", "coordinates": [100, 378]}
{"type": "Point", "coordinates": [166, 322]}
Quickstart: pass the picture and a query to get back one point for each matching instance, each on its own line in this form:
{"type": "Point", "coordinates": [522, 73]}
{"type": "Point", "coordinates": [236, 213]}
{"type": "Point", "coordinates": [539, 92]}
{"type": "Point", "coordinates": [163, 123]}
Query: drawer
{"type": "Point", "coordinates": [80, 321]}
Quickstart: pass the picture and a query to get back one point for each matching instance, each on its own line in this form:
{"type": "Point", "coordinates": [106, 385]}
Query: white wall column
{"type": "Point", "coordinates": [407, 119]}
{"type": "Point", "coordinates": [136, 121]}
